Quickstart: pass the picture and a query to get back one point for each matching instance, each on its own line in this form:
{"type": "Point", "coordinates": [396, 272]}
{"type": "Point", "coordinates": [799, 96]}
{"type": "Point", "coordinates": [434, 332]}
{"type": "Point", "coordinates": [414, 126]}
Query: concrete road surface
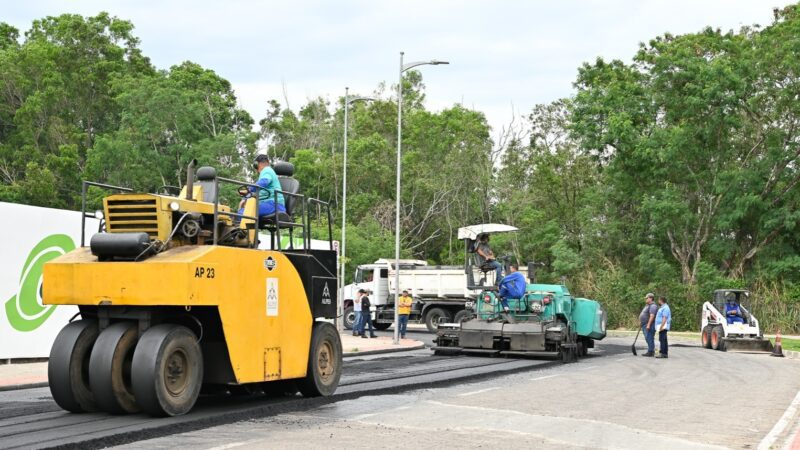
{"type": "Point", "coordinates": [696, 399]}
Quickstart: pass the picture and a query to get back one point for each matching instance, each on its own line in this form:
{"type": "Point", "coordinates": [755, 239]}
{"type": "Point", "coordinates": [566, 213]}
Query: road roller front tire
{"type": "Point", "coordinates": [68, 366]}
{"type": "Point", "coordinates": [167, 370]}
{"type": "Point", "coordinates": [324, 362]}
{"type": "Point", "coordinates": [110, 368]}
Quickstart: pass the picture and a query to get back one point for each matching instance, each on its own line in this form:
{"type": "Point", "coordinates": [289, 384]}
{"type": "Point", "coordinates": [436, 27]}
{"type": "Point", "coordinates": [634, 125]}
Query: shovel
{"type": "Point", "coordinates": [633, 346]}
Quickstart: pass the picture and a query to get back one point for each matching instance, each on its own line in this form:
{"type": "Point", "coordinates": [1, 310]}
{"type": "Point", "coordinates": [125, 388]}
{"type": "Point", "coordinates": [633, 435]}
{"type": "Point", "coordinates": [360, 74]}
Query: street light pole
{"type": "Point", "coordinates": [340, 302]}
{"type": "Point", "coordinates": [403, 68]}
{"type": "Point", "coordinates": [343, 249]}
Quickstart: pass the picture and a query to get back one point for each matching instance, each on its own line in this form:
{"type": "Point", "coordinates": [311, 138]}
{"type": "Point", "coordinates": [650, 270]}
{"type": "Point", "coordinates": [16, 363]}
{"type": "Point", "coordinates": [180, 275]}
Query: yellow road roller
{"type": "Point", "coordinates": [176, 293]}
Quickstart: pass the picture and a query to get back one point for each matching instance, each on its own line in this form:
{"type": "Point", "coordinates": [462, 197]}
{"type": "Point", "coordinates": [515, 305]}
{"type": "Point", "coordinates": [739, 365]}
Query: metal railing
{"type": "Point", "coordinates": [84, 215]}
{"type": "Point", "coordinates": [272, 219]}
{"type": "Point", "coordinates": [330, 229]}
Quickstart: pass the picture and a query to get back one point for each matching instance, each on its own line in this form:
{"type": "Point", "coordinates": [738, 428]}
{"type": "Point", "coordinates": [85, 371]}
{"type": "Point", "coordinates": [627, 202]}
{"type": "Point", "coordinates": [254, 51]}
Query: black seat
{"type": "Point", "coordinates": [205, 178]}
{"type": "Point", "coordinates": [289, 185]}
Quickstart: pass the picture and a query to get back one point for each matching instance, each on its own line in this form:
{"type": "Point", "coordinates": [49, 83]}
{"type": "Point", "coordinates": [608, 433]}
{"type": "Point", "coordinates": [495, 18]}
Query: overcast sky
{"type": "Point", "coordinates": [504, 55]}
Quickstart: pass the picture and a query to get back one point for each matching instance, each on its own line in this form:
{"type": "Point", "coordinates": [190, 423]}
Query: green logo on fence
{"type": "Point", "coordinates": [25, 310]}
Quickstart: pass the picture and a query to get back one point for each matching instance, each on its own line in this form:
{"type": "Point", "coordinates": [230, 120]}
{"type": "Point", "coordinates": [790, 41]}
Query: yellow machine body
{"type": "Point", "coordinates": [175, 294]}
{"type": "Point", "coordinates": [265, 315]}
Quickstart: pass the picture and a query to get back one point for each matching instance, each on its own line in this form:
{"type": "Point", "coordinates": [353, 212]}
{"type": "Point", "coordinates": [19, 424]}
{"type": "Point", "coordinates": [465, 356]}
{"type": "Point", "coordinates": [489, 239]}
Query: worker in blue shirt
{"type": "Point", "coordinates": [268, 181]}
{"type": "Point", "coordinates": [663, 324]}
{"type": "Point", "coordinates": [511, 286]}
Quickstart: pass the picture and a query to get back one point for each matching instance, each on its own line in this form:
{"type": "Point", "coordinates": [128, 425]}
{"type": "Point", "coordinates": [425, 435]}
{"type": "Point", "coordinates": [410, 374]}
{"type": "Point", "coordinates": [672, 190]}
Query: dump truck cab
{"type": "Point", "coordinates": [546, 320]}
{"type": "Point", "coordinates": [175, 295]}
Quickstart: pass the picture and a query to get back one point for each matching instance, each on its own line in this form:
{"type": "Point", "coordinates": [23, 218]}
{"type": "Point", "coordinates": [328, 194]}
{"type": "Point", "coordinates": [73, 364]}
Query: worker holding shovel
{"type": "Point", "coordinates": [647, 318]}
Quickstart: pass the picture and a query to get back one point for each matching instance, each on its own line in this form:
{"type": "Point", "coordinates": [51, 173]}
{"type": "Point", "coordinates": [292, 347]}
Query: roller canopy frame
{"type": "Point", "coordinates": [473, 231]}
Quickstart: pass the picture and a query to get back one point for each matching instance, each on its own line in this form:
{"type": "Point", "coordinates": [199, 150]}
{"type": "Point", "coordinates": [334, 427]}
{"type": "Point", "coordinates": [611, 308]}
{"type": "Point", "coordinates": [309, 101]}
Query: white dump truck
{"type": "Point", "coordinates": [440, 292]}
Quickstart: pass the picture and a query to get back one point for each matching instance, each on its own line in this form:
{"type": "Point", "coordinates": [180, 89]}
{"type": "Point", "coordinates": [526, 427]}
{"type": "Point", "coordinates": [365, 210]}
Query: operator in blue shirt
{"type": "Point", "coordinates": [663, 324]}
{"type": "Point", "coordinates": [732, 311]}
{"type": "Point", "coordinates": [268, 181]}
{"type": "Point", "coordinates": [512, 286]}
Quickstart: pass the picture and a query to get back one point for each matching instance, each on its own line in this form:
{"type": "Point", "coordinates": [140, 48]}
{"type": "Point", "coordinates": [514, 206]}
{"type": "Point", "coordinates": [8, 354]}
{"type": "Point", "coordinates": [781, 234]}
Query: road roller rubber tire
{"type": "Point", "coordinates": [324, 362]}
{"type": "Point", "coordinates": [167, 370]}
{"type": "Point", "coordinates": [110, 368]}
{"type": "Point", "coordinates": [68, 366]}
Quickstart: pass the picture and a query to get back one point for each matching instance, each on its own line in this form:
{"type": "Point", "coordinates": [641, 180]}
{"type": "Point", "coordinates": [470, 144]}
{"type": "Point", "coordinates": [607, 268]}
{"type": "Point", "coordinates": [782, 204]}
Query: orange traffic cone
{"type": "Point", "coordinates": [778, 351]}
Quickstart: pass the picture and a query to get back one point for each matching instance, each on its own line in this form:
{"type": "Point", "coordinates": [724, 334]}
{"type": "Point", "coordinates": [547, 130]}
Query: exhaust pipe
{"type": "Point", "coordinates": [190, 179]}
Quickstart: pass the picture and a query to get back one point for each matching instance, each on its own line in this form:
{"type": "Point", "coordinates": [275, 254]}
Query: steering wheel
{"type": "Point", "coordinates": [243, 190]}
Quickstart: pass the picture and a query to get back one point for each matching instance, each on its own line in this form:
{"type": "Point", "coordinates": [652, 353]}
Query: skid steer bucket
{"type": "Point", "coordinates": [747, 344]}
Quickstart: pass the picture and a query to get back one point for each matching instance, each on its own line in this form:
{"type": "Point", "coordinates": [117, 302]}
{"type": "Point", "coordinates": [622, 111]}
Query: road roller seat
{"type": "Point", "coordinates": [291, 189]}
{"type": "Point", "coordinates": [285, 170]}
{"type": "Point", "coordinates": [205, 179]}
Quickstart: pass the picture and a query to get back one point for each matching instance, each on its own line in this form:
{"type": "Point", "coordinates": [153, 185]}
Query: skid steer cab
{"type": "Point", "coordinates": [544, 320]}
{"type": "Point", "coordinates": [175, 296]}
{"type": "Point", "coordinates": [726, 323]}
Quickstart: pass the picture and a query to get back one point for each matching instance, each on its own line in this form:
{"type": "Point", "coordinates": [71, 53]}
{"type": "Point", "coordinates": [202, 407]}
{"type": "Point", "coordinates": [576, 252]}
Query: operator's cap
{"type": "Point", "coordinates": [650, 295]}
{"type": "Point", "coordinates": [405, 291]}
{"type": "Point", "coordinates": [362, 291]}
{"type": "Point", "coordinates": [260, 158]}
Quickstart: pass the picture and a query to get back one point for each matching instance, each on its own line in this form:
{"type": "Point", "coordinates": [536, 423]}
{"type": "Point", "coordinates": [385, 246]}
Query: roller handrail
{"type": "Point", "coordinates": [84, 189]}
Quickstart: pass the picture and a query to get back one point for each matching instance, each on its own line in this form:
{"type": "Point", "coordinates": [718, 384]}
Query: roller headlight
{"type": "Point", "coordinates": [174, 206]}
{"type": "Point", "coordinates": [98, 215]}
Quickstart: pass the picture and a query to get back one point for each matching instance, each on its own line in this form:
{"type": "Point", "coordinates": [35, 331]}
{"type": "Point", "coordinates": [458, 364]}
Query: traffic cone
{"type": "Point", "coordinates": [778, 351]}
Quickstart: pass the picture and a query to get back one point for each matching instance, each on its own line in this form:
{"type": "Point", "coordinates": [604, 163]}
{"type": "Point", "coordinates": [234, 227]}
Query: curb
{"type": "Point", "coordinates": [793, 354]}
{"type": "Point", "coordinates": [421, 345]}
{"type": "Point", "coordinates": [16, 387]}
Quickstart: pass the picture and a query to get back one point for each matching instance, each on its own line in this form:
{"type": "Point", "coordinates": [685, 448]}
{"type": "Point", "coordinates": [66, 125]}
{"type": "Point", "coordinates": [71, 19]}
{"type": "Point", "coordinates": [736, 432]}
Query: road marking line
{"type": "Point", "coordinates": [235, 444]}
{"type": "Point", "coordinates": [775, 432]}
{"type": "Point", "coordinates": [622, 359]}
{"type": "Point", "coordinates": [542, 378]}
{"type": "Point", "coordinates": [590, 367]}
{"type": "Point", "coordinates": [477, 392]}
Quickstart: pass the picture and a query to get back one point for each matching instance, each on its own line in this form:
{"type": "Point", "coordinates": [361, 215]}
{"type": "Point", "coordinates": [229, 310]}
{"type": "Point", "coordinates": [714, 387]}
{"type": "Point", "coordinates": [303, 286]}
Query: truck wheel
{"type": "Point", "coordinates": [434, 315]}
{"type": "Point", "coordinates": [349, 317]}
{"type": "Point", "coordinates": [324, 362]}
{"type": "Point", "coordinates": [705, 337]}
{"type": "Point", "coordinates": [110, 368]}
{"type": "Point", "coordinates": [381, 326]}
{"type": "Point", "coordinates": [461, 316]}
{"type": "Point", "coordinates": [565, 355]}
{"type": "Point", "coordinates": [68, 366]}
{"type": "Point", "coordinates": [716, 338]}
{"type": "Point", "coordinates": [167, 370]}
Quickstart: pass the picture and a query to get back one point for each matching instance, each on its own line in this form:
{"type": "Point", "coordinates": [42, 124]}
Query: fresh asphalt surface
{"type": "Point", "coordinates": [30, 419]}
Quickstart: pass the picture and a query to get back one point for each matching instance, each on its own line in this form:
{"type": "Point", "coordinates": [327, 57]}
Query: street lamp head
{"type": "Point", "coordinates": [436, 62]}
{"type": "Point", "coordinates": [360, 99]}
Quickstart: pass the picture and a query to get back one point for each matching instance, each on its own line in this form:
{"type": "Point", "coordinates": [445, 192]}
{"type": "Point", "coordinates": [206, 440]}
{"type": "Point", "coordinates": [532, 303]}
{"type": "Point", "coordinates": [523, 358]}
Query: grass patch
{"type": "Point", "coordinates": [789, 344]}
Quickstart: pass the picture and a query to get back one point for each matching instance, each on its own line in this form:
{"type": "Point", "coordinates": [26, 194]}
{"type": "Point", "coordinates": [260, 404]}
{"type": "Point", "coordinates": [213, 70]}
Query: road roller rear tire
{"type": "Point", "coordinates": [324, 362]}
{"type": "Point", "coordinates": [110, 368]}
{"type": "Point", "coordinates": [68, 366]}
{"type": "Point", "coordinates": [167, 370]}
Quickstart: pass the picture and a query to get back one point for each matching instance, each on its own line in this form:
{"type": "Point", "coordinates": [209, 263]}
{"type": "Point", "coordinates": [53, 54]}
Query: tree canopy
{"type": "Point", "coordinates": [675, 171]}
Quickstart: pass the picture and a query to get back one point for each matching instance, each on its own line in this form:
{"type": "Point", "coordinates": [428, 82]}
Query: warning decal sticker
{"type": "Point", "coordinates": [272, 297]}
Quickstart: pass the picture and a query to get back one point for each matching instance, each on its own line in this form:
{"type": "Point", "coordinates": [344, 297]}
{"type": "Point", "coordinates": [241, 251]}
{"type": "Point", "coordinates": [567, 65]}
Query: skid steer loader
{"type": "Point", "coordinates": [175, 295]}
{"type": "Point", "coordinates": [727, 324]}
